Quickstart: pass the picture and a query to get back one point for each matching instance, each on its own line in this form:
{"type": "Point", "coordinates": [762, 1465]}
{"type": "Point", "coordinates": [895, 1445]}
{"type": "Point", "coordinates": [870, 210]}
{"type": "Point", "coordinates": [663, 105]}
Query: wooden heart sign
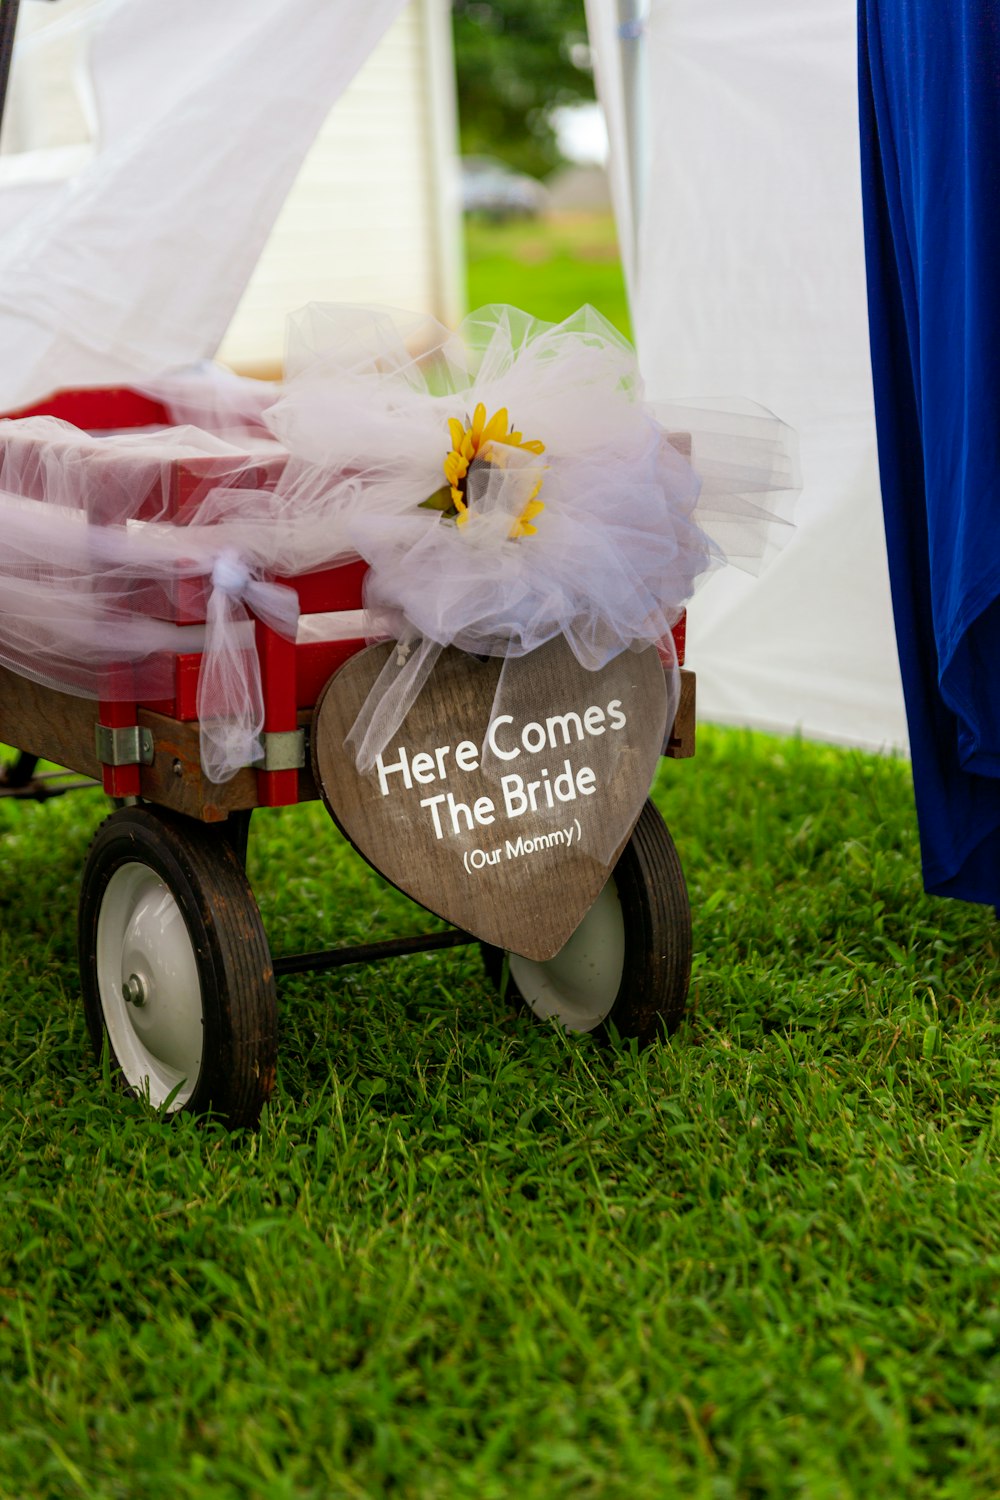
{"type": "Point", "coordinates": [504, 819]}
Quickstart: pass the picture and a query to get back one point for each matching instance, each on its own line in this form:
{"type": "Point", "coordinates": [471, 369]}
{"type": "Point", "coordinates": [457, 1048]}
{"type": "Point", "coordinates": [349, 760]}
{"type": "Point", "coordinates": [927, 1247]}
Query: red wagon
{"type": "Point", "coordinates": [176, 970]}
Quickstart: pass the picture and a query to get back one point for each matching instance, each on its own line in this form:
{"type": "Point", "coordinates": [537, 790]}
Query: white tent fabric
{"type": "Point", "coordinates": [747, 277]}
{"type": "Point", "coordinates": [617, 31]}
{"type": "Point", "coordinates": [204, 112]}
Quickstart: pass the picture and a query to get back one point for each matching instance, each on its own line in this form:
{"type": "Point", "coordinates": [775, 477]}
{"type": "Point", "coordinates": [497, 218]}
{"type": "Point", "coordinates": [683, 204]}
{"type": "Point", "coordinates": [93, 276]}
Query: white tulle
{"type": "Point", "coordinates": [336, 464]}
{"type": "Point", "coordinates": [622, 538]}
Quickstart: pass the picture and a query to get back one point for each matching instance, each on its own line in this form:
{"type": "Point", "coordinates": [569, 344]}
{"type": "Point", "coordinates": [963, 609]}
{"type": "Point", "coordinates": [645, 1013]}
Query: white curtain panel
{"type": "Point", "coordinates": [747, 279]}
{"type": "Point", "coordinates": [204, 111]}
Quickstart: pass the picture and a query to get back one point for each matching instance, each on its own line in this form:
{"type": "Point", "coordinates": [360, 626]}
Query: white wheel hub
{"type": "Point", "coordinates": [147, 973]}
{"type": "Point", "coordinates": [580, 984]}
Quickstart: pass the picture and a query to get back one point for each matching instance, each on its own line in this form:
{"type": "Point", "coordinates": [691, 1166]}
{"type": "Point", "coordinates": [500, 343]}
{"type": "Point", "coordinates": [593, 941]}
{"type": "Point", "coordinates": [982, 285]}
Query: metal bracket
{"type": "Point", "coordinates": [284, 750]}
{"type": "Point", "coordinates": [130, 746]}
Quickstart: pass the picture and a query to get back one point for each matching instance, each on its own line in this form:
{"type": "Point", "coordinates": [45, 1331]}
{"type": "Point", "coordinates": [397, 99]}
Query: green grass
{"type": "Point", "coordinates": [469, 1257]}
{"type": "Point", "coordinates": [549, 267]}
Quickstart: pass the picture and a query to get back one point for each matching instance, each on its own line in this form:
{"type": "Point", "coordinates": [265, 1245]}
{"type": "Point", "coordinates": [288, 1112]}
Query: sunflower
{"type": "Point", "coordinates": [467, 444]}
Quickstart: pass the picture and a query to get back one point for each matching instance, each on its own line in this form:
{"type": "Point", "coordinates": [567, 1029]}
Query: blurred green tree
{"type": "Point", "coordinates": [516, 61]}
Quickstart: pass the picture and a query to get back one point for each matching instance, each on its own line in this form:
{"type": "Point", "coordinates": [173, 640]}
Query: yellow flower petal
{"type": "Point", "coordinates": [457, 432]}
{"type": "Point", "coordinates": [522, 526]}
{"type": "Point", "coordinates": [478, 423]}
{"type": "Point", "coordinates": [496, 428]}
{"type": "Point", "coordinates": [455, 468]}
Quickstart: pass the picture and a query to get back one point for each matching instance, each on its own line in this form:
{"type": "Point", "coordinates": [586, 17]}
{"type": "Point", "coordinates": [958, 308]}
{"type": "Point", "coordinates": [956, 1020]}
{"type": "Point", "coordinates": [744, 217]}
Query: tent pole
{"type": "Point", "coordinates": [631, 29]}
{"type": "Point", "coordinates": [8, 25]}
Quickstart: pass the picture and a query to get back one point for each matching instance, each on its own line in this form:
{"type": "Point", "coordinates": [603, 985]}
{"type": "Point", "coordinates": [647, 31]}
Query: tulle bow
{"type": "Point", "coordinates": [230, 699]}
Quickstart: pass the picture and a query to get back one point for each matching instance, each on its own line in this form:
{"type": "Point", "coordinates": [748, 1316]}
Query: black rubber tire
{"type": "Point", "coordinates": [656, 923]}
{"type": "Point", "coordinates": [232, 959]}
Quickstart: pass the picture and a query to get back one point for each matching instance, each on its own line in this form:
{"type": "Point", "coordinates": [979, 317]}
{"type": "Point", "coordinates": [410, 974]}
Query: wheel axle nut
{"type": "Point", "coordinates": [134, 991]}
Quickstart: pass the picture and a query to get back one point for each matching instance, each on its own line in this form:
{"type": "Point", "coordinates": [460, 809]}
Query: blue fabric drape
{"type": "Point", "coordinates": [930, 143]}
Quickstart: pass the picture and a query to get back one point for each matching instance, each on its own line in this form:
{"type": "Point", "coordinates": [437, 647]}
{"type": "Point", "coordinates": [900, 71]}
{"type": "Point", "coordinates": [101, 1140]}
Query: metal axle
{"type": "Point", "coordinates": [368, 953]}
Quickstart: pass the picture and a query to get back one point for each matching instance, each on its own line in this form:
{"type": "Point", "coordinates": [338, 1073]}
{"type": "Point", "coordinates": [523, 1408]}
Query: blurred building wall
{"type": "Point", "coordinates": [375, 214]}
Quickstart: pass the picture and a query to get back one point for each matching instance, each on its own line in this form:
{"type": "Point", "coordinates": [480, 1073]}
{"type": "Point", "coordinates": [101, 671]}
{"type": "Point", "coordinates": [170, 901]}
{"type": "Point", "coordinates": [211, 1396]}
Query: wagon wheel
{"type": "Point", "coordinates": [628, 964]}
{"type": "Point", "coordinates": [175, 967]}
